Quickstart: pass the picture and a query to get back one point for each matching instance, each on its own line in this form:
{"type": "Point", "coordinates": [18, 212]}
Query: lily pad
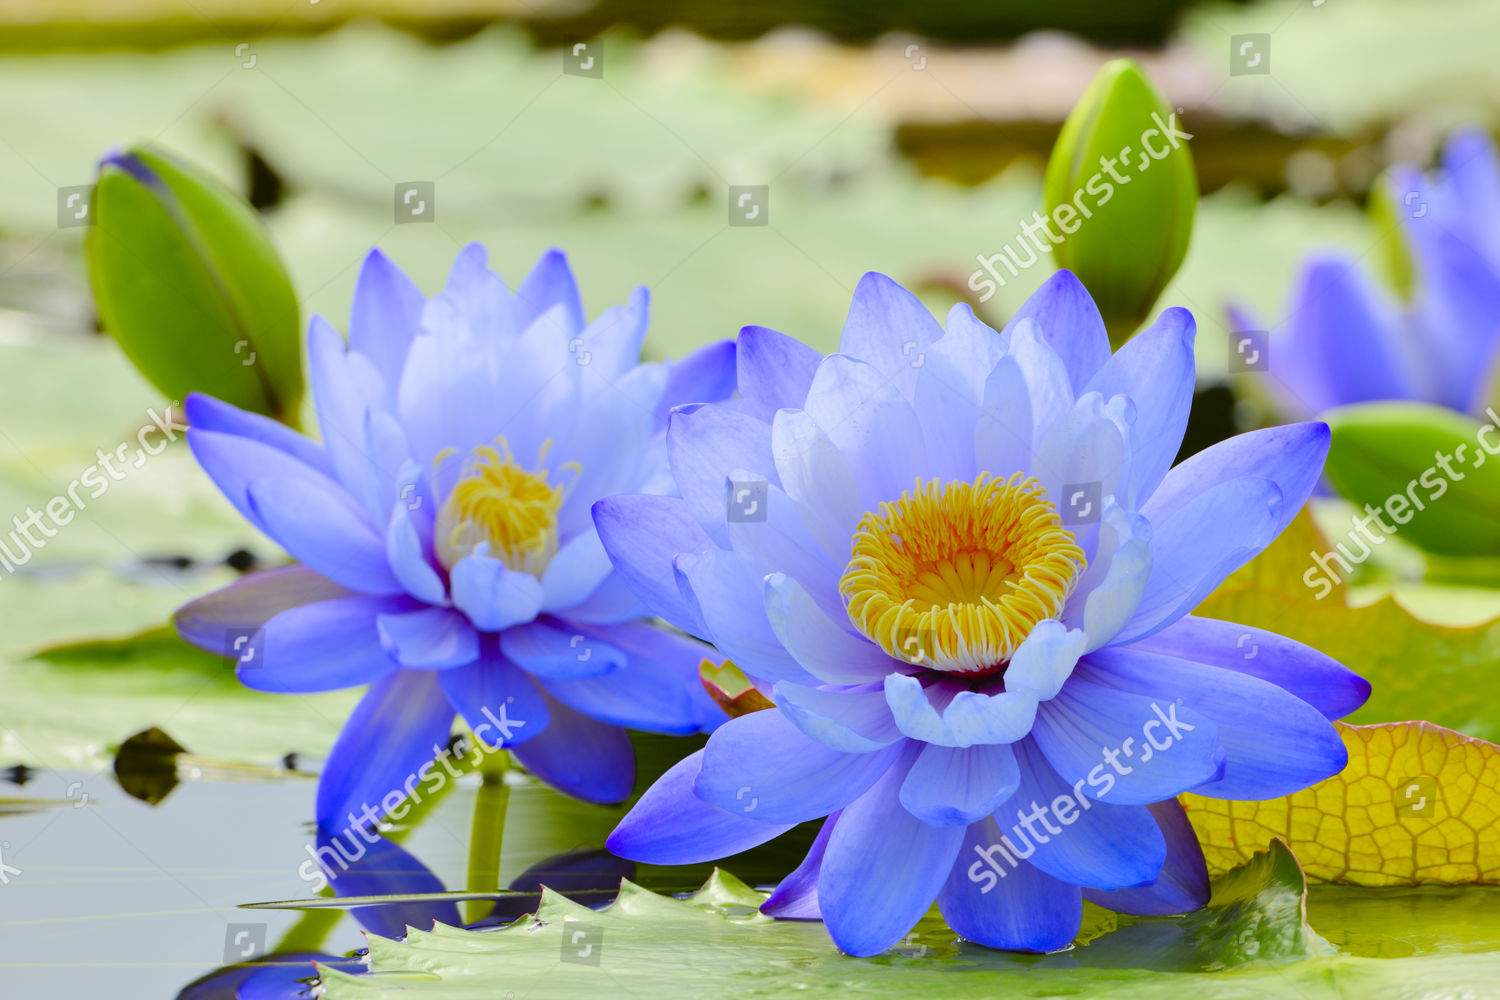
{"type": "Point", "coordinates": [1251, 941]}
{"type": "Point", "coordinates": [69, 706]}
{"type": "Point", "coordinates": [1416, 805]}
{"type": "Point", "coordinates": [1417, 669]}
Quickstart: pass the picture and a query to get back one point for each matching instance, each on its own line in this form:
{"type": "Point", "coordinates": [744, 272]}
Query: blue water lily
{"type": "Point", "coordinates": [961, 563]}
{"type": "Point", "coordinates": [447, 557]}
{"type": "Point", "coordinates": [1346, 340]}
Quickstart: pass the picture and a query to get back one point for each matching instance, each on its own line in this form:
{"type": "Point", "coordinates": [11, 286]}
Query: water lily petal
{"type": "Point", "coordinates": [386, 316]}
{"type": "Point", "coordinates": [577, 570]}
{"type": "Point", "coordinates": [822, 646]}
{"type": "Point", "coordinates": [642, 535]}
{"type": "Point", "coordinates": [1155, 370]}
{"type": "Point", "coordinates": [1291, 456]}
{"type": "Point", "coordinates": [1310, 675]}
{"type": "Point", "coordinates": [863, 412]}
{"type": "Point", "coordinates": [549, 650]}
{"type": "Point", "coordinates": [408, 559]}
{"type": "Point", "coordinates": [384, 749]}
{"type": "Point", "coordinates": [707, 443]}
{"type": "Point", "coordinates": [657, 689]}
{"type": "Point", "coordinates": [216, 619]}
{"type": "Point", "coordinates": [1132, 749]}
{"type": "Point", "coordinates": [1181, 887]}
{"type": "Point", "coordinates": [550, 284]}
{"type": "Point", "coordinates": [1044, 661]}
{"type": "Point", "coordinates": [1068, 320]}
{"type": "Point", "coordinates": [1016, 907]}
{"type": "Point", "coordinates": [323, 528]}
{"type": "Point", "coordinates": [969, 717]}
{"type": "Point", "coordinates": [1048, 386]}
{"type": "Point", "coordinates": [1198, 545]}
{"type": "Point", "coordinates": [429, 638]}
{"type": "Point", "coordinates": [819, 478]}
{"type": "Point", "coordinates": [1004, 431]}
{"type": "Point", "coordinates": [671, 825]}
{"type": "Point", "coordinates": [205, 413]}
{"type": "Point", "coordinates": [704, 376]}
{"type": "Point", "coordinates": [796, 896]}
{"type": "Point", "coordinates": [854, 720]}
{"type": "Point", "coordinates": [774, 371]}
{"type": "Point", "coordinates": [889, 328]}
{"type": "Point", "coordinates": [346, 387]}
{"type": "Point", "coordinates": [583, 757]}
{"type": "Point", "coordinates": [730, 602]}
{"type": "Point", "coordinates": [956, 787]}
{"type": "Point", "coordinates": [501, 704]}
{"type": "Point", "coordinates": [322, 646]}
{"type": "Point", "coordinates": [882, 869]}
{"type": "Point", "coordinates": [1074, 838]}
{"type": "Point", "coordinates": [1274, 743]}
{"type": "Point", "coordinates": [494, 596]}
{"type": "Point", "coordinates": [761, 765]}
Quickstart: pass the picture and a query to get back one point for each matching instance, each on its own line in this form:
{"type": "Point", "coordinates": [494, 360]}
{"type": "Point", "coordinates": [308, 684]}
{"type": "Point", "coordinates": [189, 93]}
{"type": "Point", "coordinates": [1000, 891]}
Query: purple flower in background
{"type": "Point", "coordinates": [447, 554]}
{"type": "Point", "coordinates": [1348, 341]}
{"type": "Point", "coordinates": [961, 564]}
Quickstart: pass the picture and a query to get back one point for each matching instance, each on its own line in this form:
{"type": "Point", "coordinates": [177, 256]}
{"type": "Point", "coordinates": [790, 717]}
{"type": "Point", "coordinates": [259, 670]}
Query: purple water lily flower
{"type": "Point", "coordinates": [961, 564]}
{"type": "Point", "coordinates": [1348, 341]}
{"type": "Point", "coordinates": [447, 555]}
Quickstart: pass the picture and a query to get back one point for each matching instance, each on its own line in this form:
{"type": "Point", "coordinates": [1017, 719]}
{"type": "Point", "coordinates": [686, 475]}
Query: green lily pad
{"type": "Point", "coordinates": [69, 706]}
{"type": "Point", "coordinates": [1424, 465]}
{"type": "Point", "coordinates": [1251, 941]}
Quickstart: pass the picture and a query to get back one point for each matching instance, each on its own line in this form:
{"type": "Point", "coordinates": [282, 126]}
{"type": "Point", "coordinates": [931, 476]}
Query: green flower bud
{"type": "Point", "coordinates": [187, 282]}
{"type": "Point", "coordinates": [1395, 252]}
{"type": "Point", "coordinates": [1120, 194]}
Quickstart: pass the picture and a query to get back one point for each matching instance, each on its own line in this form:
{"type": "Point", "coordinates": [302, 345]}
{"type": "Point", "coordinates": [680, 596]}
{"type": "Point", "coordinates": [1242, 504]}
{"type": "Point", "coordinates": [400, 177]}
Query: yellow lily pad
{"type": "Point", "coordinates": [1418, 669]}
{"type": "Point", "coordinates": [1417, 805]}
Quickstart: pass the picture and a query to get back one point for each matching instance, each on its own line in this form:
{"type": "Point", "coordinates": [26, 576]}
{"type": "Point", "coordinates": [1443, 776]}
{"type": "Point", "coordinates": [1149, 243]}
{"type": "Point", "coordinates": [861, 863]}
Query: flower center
{"type": "Point", "coordinates": [954, 576]}
{"type": "Point", "coordinates": [503, 506]}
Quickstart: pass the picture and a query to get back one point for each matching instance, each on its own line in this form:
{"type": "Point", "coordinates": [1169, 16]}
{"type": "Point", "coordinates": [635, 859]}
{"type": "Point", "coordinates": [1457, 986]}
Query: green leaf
{"type": "Point", "coordinates": [1257, 911]}
{"type": "Point", "coordinates": [1251, 941]}
{"type": "Point", "coordinates": [1398, 456]}
{"type": "Point", "coordinates": [68, 705]}
{"type": "Point", "coordinates": [1124, 177]}
{"type": "Point", "coordinates": [187, 281]}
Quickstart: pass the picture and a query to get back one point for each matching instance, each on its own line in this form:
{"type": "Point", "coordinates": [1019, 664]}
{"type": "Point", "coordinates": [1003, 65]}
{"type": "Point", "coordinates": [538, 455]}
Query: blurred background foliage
{"type": "Point", "coordinates": [903, 138]}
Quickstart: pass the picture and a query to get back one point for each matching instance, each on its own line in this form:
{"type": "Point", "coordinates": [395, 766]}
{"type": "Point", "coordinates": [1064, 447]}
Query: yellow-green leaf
{"type": "Point", "coordinates": [1418, 670]}
{"type": "Point", "coordinates": [1417, 805]}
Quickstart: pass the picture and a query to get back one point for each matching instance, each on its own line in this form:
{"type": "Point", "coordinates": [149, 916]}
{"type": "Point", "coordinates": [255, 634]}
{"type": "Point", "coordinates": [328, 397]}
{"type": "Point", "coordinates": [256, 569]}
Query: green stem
{"type": "Point", "coordinates": [487, 835]}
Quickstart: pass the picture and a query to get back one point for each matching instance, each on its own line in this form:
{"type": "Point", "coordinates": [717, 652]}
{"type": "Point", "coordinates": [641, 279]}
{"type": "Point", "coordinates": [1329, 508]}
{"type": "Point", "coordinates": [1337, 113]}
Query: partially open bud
{"type": "Point", "coordinates": [187, 282]}
{"type": "Point", "coordinates": [731, 690]}
{"type": "Point", "coordinates": [1120, 194]}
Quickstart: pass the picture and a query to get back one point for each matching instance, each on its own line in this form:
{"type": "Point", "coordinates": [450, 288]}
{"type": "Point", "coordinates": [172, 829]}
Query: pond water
{"type": "Point", "coordinates": [107, 895]}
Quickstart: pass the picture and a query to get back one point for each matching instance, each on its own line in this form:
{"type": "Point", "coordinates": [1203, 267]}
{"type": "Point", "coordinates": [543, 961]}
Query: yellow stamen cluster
{"type": "Point", "coordinates": [953, 576]}
{"type": "Point", "coordinates": [499, 503]}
